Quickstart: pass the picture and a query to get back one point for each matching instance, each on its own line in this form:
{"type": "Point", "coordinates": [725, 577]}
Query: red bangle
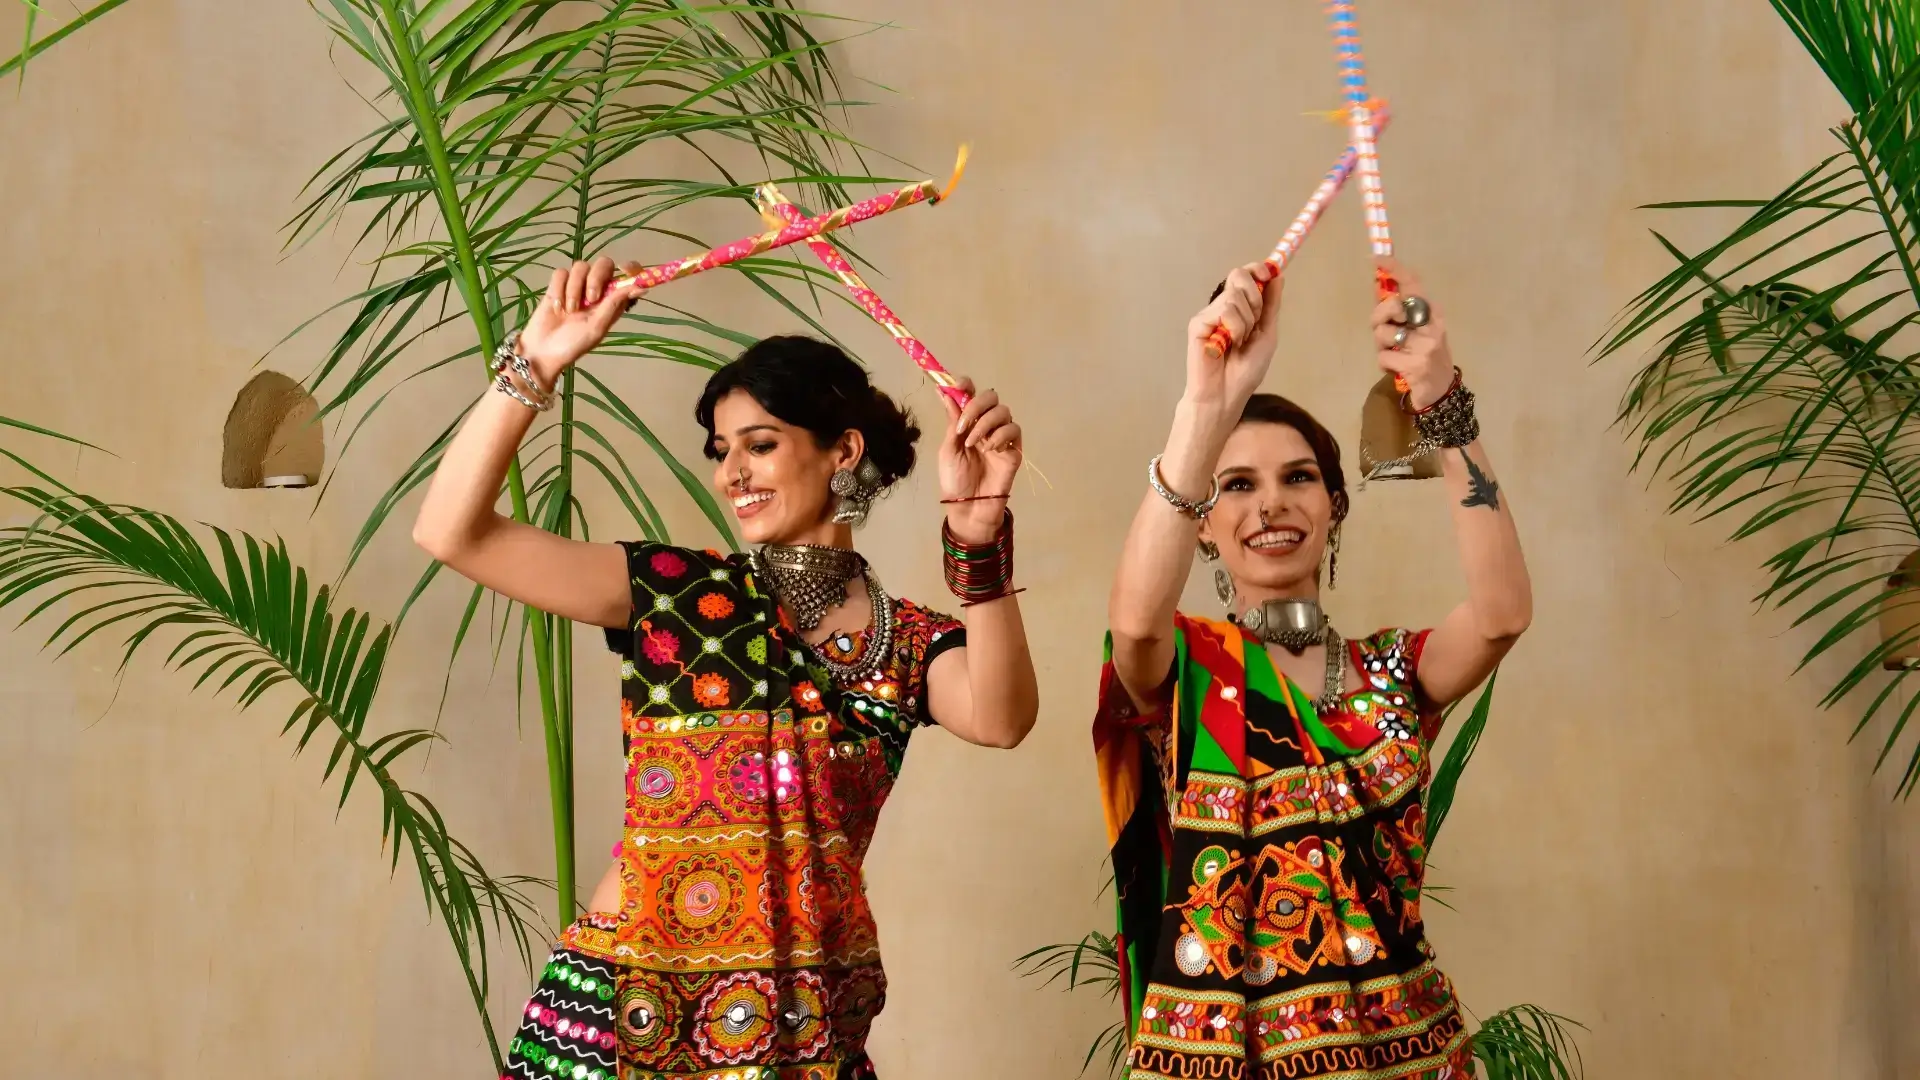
{"type": "Point", "coordinates": [1406, 399]}
{"type": "Point", "coordinates": [978, 573]}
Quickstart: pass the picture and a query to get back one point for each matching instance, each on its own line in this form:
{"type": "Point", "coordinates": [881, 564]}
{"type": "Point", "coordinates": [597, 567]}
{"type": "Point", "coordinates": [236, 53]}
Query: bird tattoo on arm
{"type": "Point", "coordinates": [1481, 488]}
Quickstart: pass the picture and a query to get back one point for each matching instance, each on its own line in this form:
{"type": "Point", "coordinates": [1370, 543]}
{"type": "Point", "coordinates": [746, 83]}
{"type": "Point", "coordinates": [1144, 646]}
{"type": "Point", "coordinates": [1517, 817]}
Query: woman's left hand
{"type": "Point", "coordinates": [1423, 359]}
{"type": "Point", "coordinates": [979, 456]}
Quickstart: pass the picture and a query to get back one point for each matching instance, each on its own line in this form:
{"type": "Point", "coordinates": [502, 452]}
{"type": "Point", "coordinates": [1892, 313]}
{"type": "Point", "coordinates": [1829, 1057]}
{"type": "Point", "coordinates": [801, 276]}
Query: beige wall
{"type": "Point", "coordinates": [1662, 836]}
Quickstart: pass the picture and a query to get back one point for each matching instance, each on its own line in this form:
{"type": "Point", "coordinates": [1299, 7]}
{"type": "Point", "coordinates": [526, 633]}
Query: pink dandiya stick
{"type": "Point", "coordinates": [1345, 27]}
{"type": "Point", "coordinates": [778, 211]}
{"type": "Point", "coordinates": [793, 233]}
{"type": "Point", "coordinates": [1221, 339]}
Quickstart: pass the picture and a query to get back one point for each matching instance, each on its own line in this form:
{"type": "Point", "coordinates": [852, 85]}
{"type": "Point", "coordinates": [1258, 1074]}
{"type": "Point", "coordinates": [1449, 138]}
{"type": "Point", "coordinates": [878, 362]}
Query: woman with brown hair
{"type": "Point", "coordinates": [1264, 777]}
{"type": "Point", "coordinates": [767, 700]}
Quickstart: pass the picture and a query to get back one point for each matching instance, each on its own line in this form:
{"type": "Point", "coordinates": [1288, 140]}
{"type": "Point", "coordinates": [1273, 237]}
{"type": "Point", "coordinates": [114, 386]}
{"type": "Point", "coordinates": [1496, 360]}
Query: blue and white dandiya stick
{"type": "Point", "coordinates": [1344, 25]}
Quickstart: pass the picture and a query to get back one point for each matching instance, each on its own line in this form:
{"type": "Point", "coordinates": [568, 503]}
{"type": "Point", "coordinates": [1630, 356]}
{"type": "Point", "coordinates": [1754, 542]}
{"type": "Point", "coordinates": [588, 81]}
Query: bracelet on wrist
{"type": "Point", "coordinates": [1195, 510]}
{"type": "Point", "coordinates": [978, 573]}
{"type": "Point", "coordinates": [509, 363]}
{"type": "Point", "coordinates": [1449, 422]}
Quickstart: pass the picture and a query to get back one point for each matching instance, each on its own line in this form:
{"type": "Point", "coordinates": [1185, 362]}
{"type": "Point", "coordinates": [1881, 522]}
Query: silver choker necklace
{"type": "Point", "coordinates": [808, 579]}
{"type": "Point", "coordinates": [1294, 625]}
{"type": "Point", "coordinates": [1297, 625]}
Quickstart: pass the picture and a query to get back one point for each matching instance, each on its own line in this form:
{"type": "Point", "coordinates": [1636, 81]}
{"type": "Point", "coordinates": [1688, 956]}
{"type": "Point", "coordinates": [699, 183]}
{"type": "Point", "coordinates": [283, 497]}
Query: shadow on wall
{"type": "Point", "coordinates": [271, 440]}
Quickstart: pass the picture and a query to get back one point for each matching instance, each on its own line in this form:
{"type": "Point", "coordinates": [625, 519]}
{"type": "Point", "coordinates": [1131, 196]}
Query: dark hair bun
{"type": "Point", "coordinates": [812, 384]}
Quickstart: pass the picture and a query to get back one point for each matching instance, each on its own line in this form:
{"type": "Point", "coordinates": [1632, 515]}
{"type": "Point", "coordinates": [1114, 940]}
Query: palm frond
{"type": "Point", "coordinates": [1527, 1042]}
{"type": "Point", "coordinates": [1446, 778]}
{"type": "Point", "coordinates": [34, 429]}
{"type": "Point", "coordinates": [524, 136]}
{"type": "Point", "coordinates": [1093, 961]}
{"type": "Point", "coordinates": [29, 48]}
{"type": "Point", "coordinates": [1782, 387]}
{"type": "Point", "coordinates": [246, 620]}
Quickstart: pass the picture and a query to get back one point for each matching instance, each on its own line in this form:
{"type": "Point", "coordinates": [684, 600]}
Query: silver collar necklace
{"type": "Point", "coordinates": [1297, 625]}
{"type": "Point", "coordinates": [808, 580]}
{"type": "Point", "coordinates": [1294, 625]}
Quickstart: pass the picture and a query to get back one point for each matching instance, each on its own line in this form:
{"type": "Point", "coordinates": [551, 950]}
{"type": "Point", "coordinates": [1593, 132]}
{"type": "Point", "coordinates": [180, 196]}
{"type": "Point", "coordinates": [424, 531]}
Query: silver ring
{"type": "Point", "coordinates": [1418, 311]}
{"type": "Point", "coordinates": [1399, 337]}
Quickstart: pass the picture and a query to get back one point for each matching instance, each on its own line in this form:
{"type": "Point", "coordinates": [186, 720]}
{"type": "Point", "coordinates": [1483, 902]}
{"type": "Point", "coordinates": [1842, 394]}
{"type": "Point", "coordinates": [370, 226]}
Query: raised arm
{"type": "Point", "coordinates": [1470, 641]}
{"type": "Point", "coordinates": [1159, 547]}
{"type": "Point", "coordinates": [458, 523]}
{"type": "Point", "coordinates": [986, 693]}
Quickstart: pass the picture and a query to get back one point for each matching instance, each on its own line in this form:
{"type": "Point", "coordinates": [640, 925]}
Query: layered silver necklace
{"type": "Point", "coordinates": [1297, 625]}
{"type": "Point", "coordinates": [809, 581]}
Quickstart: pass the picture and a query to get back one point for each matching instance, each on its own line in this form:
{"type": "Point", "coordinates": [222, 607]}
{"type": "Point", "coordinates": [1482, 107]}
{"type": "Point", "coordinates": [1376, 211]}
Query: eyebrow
{"type": "Point", "coordinates": [750, 427]}
{"type": "Point", "coordinates": [1248, 470]}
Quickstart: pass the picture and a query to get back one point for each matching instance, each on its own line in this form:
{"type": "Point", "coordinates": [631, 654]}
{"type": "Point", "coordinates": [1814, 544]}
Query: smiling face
{"type": "Point", "coordinates": [775, 474]}
{"type": "Point", "coordinates": [1270, 467]}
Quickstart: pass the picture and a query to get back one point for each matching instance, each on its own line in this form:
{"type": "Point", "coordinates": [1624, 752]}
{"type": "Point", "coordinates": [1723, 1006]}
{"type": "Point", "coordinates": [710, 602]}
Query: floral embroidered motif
{"type": "Point", "coordinates": [711, 691]}
{"type": "Point", "coordinates": [1269, 863]}
{"type": "Point", "coordinates": [659, 646]}
{"type": "Point", "coordinates": [1400, 846]}
{"type": "Point", "coordinates": [744, 942]}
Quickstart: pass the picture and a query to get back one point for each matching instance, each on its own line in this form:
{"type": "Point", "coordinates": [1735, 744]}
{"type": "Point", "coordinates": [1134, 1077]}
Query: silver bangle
{"type": "Point", "coordinates": [1195, 510]}
{"type": "Point", "coordinates": [507, 358]}
{"type": "Point", "coordinates": [505, 386]}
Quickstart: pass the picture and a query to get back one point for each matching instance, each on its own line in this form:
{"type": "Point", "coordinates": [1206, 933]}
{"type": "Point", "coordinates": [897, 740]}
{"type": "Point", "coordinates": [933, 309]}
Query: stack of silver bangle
{"type": "Point", "coordinates": [507, 362]}
{"type": "Point", "coordinates": [1195, 510]}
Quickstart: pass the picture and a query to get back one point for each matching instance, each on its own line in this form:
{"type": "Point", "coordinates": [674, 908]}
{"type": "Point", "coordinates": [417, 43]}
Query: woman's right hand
{"type": "Point", "coordinates": [579, 309]}
{"type": "Point", "coordinates": [1251, 314]}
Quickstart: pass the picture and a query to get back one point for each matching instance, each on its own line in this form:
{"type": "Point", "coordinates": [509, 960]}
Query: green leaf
{"type": "Point", "coordinates": [1526, 1042]}
{"type": "Point", "coordinates": [1446, 778]}
{"type": "Point", "coordinates": [30, 48]}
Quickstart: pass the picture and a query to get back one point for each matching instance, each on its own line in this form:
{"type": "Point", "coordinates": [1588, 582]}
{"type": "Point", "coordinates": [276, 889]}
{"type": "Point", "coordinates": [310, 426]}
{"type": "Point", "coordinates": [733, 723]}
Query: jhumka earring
{"type": "Point", "coordinates": [1222, 581]}
{"type": "Point", "coordinates": [854, 490]}
{"type": "Point", "coordinates": [1333, 555]}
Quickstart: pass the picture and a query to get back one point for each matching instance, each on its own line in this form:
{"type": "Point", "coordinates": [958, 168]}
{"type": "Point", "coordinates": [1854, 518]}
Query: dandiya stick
{"type": "Point", "coordinates": [779, 212]}
{"type": "Point", "coordinates": [924, 191]}
{"type": "Point", "coordinates": [1345, 27]}
{"type": "Point", "coordinates": [1220, 340]}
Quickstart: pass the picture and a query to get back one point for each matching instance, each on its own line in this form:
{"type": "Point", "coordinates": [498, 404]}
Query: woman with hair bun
{"type": "Point", "coordinates": [1265, 777]}
{"type": "Point", "coordinates": [767, 700]}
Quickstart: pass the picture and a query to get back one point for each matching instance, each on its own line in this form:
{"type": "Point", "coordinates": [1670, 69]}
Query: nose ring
{"type": "Point", "coordinates": [743, 476]}
{"type": "Point", "coordinates": [1263, 517]}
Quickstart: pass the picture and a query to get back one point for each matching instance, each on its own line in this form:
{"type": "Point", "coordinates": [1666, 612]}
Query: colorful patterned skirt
{"type": "Point", "coordinates": [590, 1017]}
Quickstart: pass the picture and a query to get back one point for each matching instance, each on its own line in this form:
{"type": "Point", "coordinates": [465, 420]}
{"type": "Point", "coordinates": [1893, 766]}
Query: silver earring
{"type": "Point", "coordinates": [1209, 551]}
{"type": "Point", "coordinates": [1333, 555]}
{"type": "Point", "coordinates": [1223, 588]}
{"type": "Point", "coordinates": [853, 491]}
